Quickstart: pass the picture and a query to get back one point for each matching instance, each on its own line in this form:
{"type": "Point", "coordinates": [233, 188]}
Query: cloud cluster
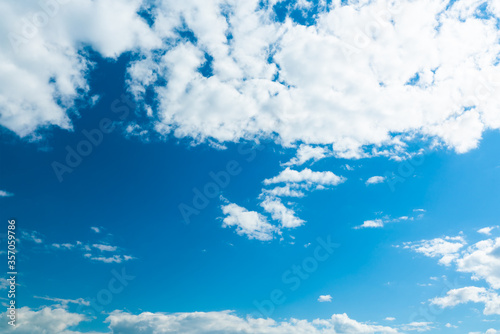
{"type": "Point", "coordinates": [44, 63]}
{"type": "Point", "coordinates": [294, 184]}
{"type": "Point", "coordinates": [357, 76]}
{"type": "Point", "coordinates": [363, 73]}
{"type": "Point", "coordinates": [480, 259]}
{"type": "Point", "coordinates": [249, 223]}
{"type": "Point", "coordinates": [59, 321]}
{"type": "Point", "coordinates": [386, 219]}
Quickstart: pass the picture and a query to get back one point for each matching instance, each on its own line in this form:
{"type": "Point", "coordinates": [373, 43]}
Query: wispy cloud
{"type": "Point", "coordinates": [4, 193]}
{"type": "Point", "coordinates": [375, 180]}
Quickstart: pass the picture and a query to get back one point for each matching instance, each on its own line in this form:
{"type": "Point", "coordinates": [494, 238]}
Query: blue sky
{"type": "Point", "coordinates": [191, 168]}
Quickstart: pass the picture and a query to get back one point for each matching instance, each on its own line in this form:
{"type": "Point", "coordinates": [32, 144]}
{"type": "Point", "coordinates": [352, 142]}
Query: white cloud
{"type": "Point", "coordinates": [45, 320]}
{"type": "Point", "coordinates": [371, 224]}
{"type": "Point", "coordinates": [324, 298]}
{"type": "Point", "coordinates": [306, 153]}
{"type": "Point", "coordinates": [105, 248]}
{"type": "Point", "coordinates": [375, 180]}
{"type": "Point", "coordinates": [4, 193]}
{"type": "Point", "coordinates": [249, 223]}
{"type": "Point", "coordinates": [380, 222]}
{"type": "Point", "coordinates": [306, 175]}
{"type": "Point", "coordinates": [418, 326]}
{"type": "Point", "coordinates": [280, 212]}
{"type": "Point", "coordinates": [364, 75]}
{"type": "Point", "coordinates": [446, 249]}
{"type": "Point", "coordinates": [55, 320]}
{"type": "Point", "coordinates": [64, 302]}
{"type": "Point", "coordinates": [390, 318]}
{"type": "Point", "coordinates": [491, 300]}
{"type": "Point", "coordinates": [110, 259]}
{"type": "Point", "coordinates": [44, 67]}
{"type": "Point", "coordinates": [33, 236]}
{"type": "Point", "coordinates": [95, 229]}
{"type": "Point", "coordinates": [289, 190]}
{"type": "Point", "coordinates": [62, 246]}
{"type": "Point", "coordinates": [483, 261]}
{"type": "Point", "coordinates": [486, 230]}
{"type": "Point", "coordinates": [227, 323]}
{"type": "Point", "coordinates": [419, 69]}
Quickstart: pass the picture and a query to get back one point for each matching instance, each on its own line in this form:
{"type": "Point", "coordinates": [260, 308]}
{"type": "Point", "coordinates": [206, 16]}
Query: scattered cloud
{"type": "Point", "coordinates": [4, 193]}
{"type": "Point", "coordinates": [226, 322]}
{"type": "Point", "coordinates": [487, 230]}
{"type": "Point", "coordinates": [375, 180]}
{"type": "Point", "coordinates": [110, 259]}
{"type": "Point", "coordinates": [33, 236]}
{"type": "Point", "coordinates": [57, 320]}
{"type": "Point", "coordinates": [306, 175]}
{"type": "Point", "coordinates": [445, 248]}
{"type": "Point", "coordinates": [249, 223]}
{"type": "Point", "coordinates": [380, 222]}
{"type": "Point", "coordinates": [371, 224]}
{"type": "Point", "coordinates": [63, 246]}
{"type": "Point", "coordinates": [490, 299]}
{"type": "Point", "coordinates": [325, 298]}
{"type": "Point", "coordinates": [281, 213]}
{"type": "Point", "coordinates": [306, 153]}
{"type": "Point", "coordinates": [64, 302]}
{"type": "Point", "coordinates": [104, 248]}
{"type": "Point", "coordinates": [95, 229]}
{"type": "Point", "coordinates": [390, 318]}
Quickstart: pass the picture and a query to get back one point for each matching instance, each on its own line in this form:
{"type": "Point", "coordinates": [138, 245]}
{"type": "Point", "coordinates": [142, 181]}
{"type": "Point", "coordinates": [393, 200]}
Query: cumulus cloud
{"type": "Point", "coordinates": [324, 298]}
{"type": "Point", "coordinates": [56, 320]}
{"type": "Point", "coordinates": [306, 153]}
{"type": "Point", "coordinates": [486, 230]}
{"type": "Point", "coordinates": [227, 322]}
{"type": "Point", "coordinates": [44, 65]}
{"type": "Point", "coordinates": [375, 180]}
{"type": "Point", "coordinates": [361, 74]}
{"type": "Point", "coordinates": [481, 260]}
{"type": "Point", "coordinates": [280, 212]}
{"type": "Point", "coordinates": [447, 248]}
{"type": "Point", "coordinates": [44, 320]}
{"type": "Point", "coordinates": [306, 175]}
{"type": "Point", "coordinates": [490, 299]}
{"type": "Point", "coordinates": [371, 224]}
{"type": "Point", "coordinates": [249, 223]}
